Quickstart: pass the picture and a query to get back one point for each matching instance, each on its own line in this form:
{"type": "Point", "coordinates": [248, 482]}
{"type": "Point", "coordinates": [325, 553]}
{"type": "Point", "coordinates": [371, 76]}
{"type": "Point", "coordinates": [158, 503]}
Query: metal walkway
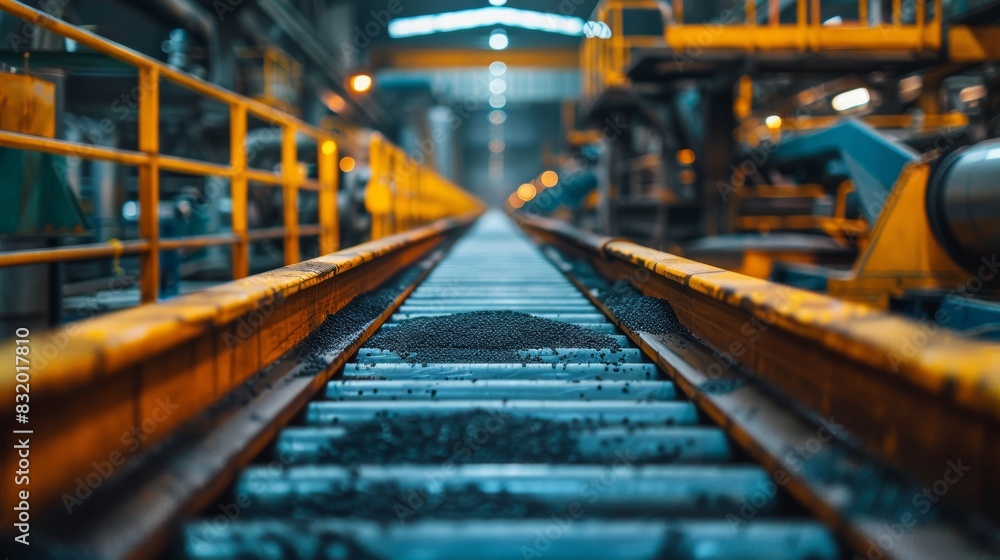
{"type": "Point", "coordinates": [569, 453]}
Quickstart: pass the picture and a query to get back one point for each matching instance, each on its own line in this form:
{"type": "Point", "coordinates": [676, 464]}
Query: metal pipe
{"type": "Point", "coordinates": [198, 19]}
{"type": "Point", "coordinates": [963, 203]}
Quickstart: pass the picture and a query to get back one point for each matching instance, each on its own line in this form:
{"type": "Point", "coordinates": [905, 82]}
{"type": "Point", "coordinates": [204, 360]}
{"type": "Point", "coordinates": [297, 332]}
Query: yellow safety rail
{"type": "Point", "coordinates": [754, 130]}
{"type": "Point", "coordinates": [402, 194]}
{"type": "Point", "coordinates": [151, 162]}
{"type": "Point", "coordinates": [807, 32]}
{"type": "Point", "coordinates": [603, 59]}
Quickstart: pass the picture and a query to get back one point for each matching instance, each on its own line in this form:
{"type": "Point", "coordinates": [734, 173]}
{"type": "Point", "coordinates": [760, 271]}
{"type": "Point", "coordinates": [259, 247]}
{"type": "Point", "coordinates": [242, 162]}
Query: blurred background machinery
{"type": "Point", "coordinates": [813, 143]}
{"type": "Point", "coordinates": [770, 137]}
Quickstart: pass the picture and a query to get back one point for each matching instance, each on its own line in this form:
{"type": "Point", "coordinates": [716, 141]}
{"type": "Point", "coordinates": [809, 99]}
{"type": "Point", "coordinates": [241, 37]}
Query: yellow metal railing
{"type": "Point", "coordinates": [151, 162]}
{"type": "Point", "coordinates": [604, 60]}
{"type": "Point", "coordinates": [754, 130]}
{"type": "Point", "coordinates": [808, 32]}
{"type": "Point", "coordinates": [403, 194]}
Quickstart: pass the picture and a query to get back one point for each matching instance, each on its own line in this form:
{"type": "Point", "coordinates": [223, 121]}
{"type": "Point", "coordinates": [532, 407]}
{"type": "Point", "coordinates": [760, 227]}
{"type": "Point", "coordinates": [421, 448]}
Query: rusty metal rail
{"type": "Point", "coordinates": [137, 375]}
{"type": "Point", "coordinates": [911, 392]}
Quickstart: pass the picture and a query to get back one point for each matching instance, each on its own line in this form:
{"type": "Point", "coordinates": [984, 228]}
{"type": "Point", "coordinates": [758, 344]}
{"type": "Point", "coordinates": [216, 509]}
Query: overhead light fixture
{"type": "Point", "coordinates": [549, 178]}
{"type": "Point", "coordinates": [497, 2]}
{"type": "Point", "coordinates": [773, 122]}
{"type": "Point", "coordinates": [498, 101]}
{"type": "Point", "coordinates": [485, 17]}
{"type": "Point", "coordinates": [499, 40]}
{"type": "Point", "coordinates": [596, 29]}
{"type": "Point", "coordinates": [686, 156]}
{"type": "Point", "coordinates": [910, 86]}
{"type": "Point", "coordinates": [972, 93]}
{"type": "Point", "coordinates": [526, 192]}
{"type": "Point", "coordinates": [835, 20]}
{"type": "Point", "coordinates": [497, 116]}
{"type": "Point", "coordinates": [498, 86]}
{"type": "Point", "coordinates": [361, 83]}
{"type": "Point", "coordinates": [497, 145]}
{"type": "Point", "coordinates": [851, 99]}
{"type": "Point", "coordinates": [498, 68]}
{"type": "Point", "coordinates": [347, 164]}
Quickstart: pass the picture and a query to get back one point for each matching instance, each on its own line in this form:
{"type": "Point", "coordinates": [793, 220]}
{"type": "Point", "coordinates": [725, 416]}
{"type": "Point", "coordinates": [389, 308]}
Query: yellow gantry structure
{"type": "Point", "coordinates": [757, 28]}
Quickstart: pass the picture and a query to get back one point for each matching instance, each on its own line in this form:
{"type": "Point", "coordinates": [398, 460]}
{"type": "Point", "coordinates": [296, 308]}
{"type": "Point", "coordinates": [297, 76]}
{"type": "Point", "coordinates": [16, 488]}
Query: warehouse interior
{"type": "Point", "coordinates": [781, 214]}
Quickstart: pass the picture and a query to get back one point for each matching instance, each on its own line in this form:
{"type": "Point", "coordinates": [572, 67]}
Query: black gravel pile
{"type": "Point", "coordinates": [640, 312]}
{"type": "Point", "coordinates": [483, 337]}
{"type": "Point", "coordinates": [344, 327]}
{"type": "Point", "coordinates": [393, 502]}
{"type": "Point", "coordinates": [325, 544]}
{"type": "Point", "coordinates": [477, 436]}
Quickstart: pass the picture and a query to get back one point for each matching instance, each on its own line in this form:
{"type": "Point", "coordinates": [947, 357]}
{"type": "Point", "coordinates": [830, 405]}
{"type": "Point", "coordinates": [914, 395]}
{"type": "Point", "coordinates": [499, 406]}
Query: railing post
{"type": "Point", "coordinates": [238, 189]}
{"type": "Point", "coordinates": [149, 182]}
{"type": "Point", "coordinates": [751, 10]}
{"type": "Point", "coordinates": [326, 161]}
{"type": "Point", "coordinates": [802, 22]}
{"type": "Point", "coordinates": [290, 193]}
{"type": "Point", "coordinates": [863, 13]}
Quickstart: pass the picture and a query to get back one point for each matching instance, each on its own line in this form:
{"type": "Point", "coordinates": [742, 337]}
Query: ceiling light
{"type": "Point", "coordinates": [851, 99]}
{"type": "Point", "coordinates": [773, 122]}
{"type": "Point", "coordinates": [526, 192]}
{"type": "Point", "coordinates": [497, 146]}
{"type": "Point", "coordinates": [498, 40]}
{"type": "Point", "coordinates": [486, 17]}
{"type": "Point", "coordinates": [498, 68]}
{"type": "Point", "coordinates": [550, 178]}
{"type": "Point", "coordinates": [498, 86]}
{"type": "Point", "coordinates": [497, 116]}
{"type": "Point", "coordinates": [596, 29]}
{"type": "Point", "coordinates": [361, 83]}
{"type": "Point", "coordinates": [347, 164]}
{"type": "Point", "coordinates": [497, 2]}
{"type": "Point", "coordinates": [498, 101]}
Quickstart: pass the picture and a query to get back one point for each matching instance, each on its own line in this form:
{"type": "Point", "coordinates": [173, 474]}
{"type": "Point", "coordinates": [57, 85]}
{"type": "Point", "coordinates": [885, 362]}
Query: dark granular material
{"type": "Point", "coordinates": [640, 312]}
{"type": "Point", "coordinates": [292, 543]}
{"type": "Point", "coordinates": [477, 436]}
{"type": "Point", "coordinates": [484, 337]}
{"type": "Point", "coordinates": [344, 327]}
{"type": "Point", "coordinates": [391, 501]}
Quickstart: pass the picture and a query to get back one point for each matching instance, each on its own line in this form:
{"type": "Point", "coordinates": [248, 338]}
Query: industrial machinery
{"type": "Point", "coordinates": [636, 279]}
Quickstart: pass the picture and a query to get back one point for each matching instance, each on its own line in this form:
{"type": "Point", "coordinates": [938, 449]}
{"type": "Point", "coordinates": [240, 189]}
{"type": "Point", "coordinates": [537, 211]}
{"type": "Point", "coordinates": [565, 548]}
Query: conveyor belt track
{"type": "Point", "coordinates": [567, 453]}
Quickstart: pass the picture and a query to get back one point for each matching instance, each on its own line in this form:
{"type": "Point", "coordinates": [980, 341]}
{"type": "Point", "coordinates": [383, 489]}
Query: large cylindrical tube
{"type": "Point", "coordinates": [963, 203]}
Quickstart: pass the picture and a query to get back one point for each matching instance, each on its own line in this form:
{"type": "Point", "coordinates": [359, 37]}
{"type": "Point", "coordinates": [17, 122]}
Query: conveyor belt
{"type": "Point", "coordinates": [569, 453]}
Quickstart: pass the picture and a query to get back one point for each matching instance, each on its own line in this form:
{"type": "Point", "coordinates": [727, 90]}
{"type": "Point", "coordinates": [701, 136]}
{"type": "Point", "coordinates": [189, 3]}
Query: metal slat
{"type": "Point", "coordinates": [460, 460]}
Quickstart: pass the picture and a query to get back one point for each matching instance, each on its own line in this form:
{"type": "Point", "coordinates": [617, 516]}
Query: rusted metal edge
{"type": "Point", "coordinates": [108, 389]}
{"type": "Point", "coordinates": [812, 458]}
{"type": "Point", "coordinates": [829, 357]}
{"type": "Point", "coordinates": [105, 345]}
{"type": "Point", "coordinates": [206, 455]}
{"type": "Point", "coordinates": [566, 233]}
{"type": "Point", "coordinates": [928, 357]}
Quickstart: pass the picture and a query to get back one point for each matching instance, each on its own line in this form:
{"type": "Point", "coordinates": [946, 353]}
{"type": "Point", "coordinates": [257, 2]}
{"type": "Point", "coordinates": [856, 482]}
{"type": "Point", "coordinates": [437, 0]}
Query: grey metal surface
{"type": "Point", "coordinates": [562, 537]}
{"type": "Point", "coordinates": [964, 203]}
{"type": "Point", "coordinates": [570, 453]}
